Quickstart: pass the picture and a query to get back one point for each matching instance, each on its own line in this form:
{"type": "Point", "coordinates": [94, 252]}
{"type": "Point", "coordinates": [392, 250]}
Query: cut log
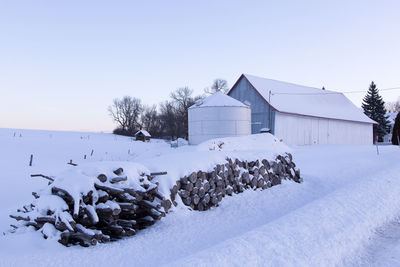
{"type": "Point", "coordinates": [63, 194]}
{"type": "Point", "coordinates": [118, 179]}
{"type": "Point", "coordinates": [193, 177]}
{"type": "Point", "coordinates": [195, 199]}
{"type": "Point", "coordinates": [109, 189]}
{"type": "Point", "coordinates": [46, 219]}
{"type": "Point", "coordinates": [184, 193]}
{"type": "Point", "coordinates": [188, 186]}
{"type": "Point", "coordinates": [102, 178]}
{"type": "Point", "coordinates": [118, 171]}
{"type": "Point", "coordinates": [158, 173]}
{"type": "Point", "coordinates": [195, 191]}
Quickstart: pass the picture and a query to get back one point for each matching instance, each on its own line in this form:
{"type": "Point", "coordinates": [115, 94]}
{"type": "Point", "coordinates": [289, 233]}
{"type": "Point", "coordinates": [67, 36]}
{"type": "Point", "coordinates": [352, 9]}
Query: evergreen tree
{"type": "Point", "coordinates": [374, 108]}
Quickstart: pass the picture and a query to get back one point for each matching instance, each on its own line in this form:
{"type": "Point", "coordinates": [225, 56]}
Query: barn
{"type": "Point", "coordinates": [302, 115]}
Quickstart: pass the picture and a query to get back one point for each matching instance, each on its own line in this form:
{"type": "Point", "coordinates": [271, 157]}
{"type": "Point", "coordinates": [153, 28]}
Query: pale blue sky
{"type": "Point", "coordinates": [62, 62]}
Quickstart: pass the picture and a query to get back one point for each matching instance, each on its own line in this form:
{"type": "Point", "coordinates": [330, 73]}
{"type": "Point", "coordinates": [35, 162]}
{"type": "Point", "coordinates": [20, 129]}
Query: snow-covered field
{"type": "Point", "coordinates": [340, 215]}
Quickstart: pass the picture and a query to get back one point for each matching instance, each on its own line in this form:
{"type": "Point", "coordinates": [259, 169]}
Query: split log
{"type": "Point", "coordinates": [118, 179]}
{"type": "Point", "coordinates": [158, 173]}
{"type": "Point", "coordinates": [109, 189]}
{"type": "Point", "coordinates": [195, 199]}
{"type": "Point", "coordinates": [63, 194]}
{"type": "Point", "coordinates": [118, 171]}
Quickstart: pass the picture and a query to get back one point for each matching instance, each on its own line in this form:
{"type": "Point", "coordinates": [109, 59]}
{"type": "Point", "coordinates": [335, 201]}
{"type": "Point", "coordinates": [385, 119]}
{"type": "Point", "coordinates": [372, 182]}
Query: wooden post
{"type": "Point", "coordinates": [71, 163]}
{"type": "Point", "coordinates": [84, 157]}
{"type": "Point", "coordinates": [376, 143]}
{"type": "Point", "coordinates": [30, 161]}
{"type": "Point", "coordinates": [91, 154]}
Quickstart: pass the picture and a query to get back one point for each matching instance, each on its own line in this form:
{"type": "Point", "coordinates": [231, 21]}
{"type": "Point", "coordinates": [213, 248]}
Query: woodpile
{"type": "Point", "coordinates": [112, 212]}
{"type": "Point", "coordinates": [110, 209]}
{"type": "Point", "coordinates": [203, 190]}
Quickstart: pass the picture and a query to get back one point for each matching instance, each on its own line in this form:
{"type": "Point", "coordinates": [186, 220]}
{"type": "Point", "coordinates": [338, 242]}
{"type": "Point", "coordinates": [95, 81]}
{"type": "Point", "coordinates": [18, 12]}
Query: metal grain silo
{"type": "Point", "coordinates": [218, 115]}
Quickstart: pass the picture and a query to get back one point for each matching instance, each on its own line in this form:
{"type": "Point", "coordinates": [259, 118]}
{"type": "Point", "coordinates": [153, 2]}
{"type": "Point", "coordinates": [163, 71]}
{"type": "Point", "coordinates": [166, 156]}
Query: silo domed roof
{"type": "Point", "coordinates": [218, 99]}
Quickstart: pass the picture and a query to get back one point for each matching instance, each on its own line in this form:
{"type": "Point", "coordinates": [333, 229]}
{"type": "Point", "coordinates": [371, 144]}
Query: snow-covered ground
{"type": "Point", "coordinates": [340, 215]}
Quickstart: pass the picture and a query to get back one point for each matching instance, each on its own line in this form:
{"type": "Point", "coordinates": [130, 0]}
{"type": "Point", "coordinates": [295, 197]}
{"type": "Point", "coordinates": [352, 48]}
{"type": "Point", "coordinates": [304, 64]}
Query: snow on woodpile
{"type": "Point", "coordinates": [264, 142]}
{"type": "Point", "coordinates": [106, 201]}
{"type": "Point", "coordinates": [94, 204]}
{"type": "Point", "coordinates": [205, 156]}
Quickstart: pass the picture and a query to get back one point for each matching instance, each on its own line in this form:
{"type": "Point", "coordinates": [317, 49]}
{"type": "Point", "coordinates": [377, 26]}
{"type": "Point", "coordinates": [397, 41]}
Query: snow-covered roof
{"type": "Point", "coordinates": [218, 99]}
{"type": "Point", "coordinates": [265, 130]}
{"type": "Point", "coordinates": [302, 100]}
{"type": "Point", "coordinates": [144, 132]}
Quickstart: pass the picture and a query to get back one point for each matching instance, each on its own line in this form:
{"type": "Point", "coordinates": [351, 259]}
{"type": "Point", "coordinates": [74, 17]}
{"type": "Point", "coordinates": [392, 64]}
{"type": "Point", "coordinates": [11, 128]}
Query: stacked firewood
{"type": "Point", "coordinates": [112, 210]}
{"type": "Point", "coordinates": [111, 207]}
{"type": "Point", "coordinates": [202, 190]}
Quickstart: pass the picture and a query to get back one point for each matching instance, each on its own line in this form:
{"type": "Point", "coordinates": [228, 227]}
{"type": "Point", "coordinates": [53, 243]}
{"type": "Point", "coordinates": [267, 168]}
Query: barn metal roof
{"type": "Point", "coordinates": [307, 101]}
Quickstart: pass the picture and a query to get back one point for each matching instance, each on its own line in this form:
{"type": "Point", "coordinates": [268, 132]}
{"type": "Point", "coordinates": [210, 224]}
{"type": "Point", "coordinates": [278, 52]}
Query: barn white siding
{"type": "Point", "coordinates": [304, 130]}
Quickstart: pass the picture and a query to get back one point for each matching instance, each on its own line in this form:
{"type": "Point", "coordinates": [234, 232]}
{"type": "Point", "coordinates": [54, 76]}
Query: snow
{"type": "Point", "coordinates": [179, 142]}
{"type": "Point", "coordinates": [303, 100]}
{"type": "Point", "coordinates": [384, 249]}
{"type": "Point", "coordinates": [330, 219]}
{"type": "Point", "coordinates": [218, 99]}
{"type": "Point", "coordinates": [256, 142]}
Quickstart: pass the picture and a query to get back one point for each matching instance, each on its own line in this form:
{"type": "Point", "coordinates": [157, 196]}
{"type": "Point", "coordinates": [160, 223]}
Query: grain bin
{"type": "Point", "coordinates": [218, 115]}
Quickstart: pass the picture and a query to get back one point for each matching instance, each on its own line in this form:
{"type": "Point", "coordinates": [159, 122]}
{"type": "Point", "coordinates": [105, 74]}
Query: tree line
{"type": "Point", "coordinates": [169, 119]}
{"type": "Point", "coordinates": [393, 106]}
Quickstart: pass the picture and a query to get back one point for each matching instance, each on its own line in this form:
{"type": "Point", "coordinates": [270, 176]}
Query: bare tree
{"type": "Point", "coordinates": [182, 100]}
{"type": "Point", "coordinates": [219, 85]}
{"type": "Point", "coordinates": [168, 119]}
{"type": "Point", "coordinates": [150, 121]}
{"type": "Point", "coordinates": [126, 113]}
{"type": "Point", "coordinates": [393, 106]}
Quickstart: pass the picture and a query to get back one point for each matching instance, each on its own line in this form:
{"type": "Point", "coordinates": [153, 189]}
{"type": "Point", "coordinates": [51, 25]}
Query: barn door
{"type": "Point", "coordinates": [323, 130]}
{"type": "Point", "coordinates": [314, 131]}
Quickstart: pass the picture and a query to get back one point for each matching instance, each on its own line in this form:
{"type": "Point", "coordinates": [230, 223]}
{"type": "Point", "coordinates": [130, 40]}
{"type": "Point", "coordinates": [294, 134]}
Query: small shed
{"type": "Point", "coordinates": [142, 135]}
